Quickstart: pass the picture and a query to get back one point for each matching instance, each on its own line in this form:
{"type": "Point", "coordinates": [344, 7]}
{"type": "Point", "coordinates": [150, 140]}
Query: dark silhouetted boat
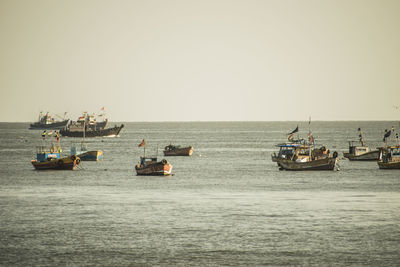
{"type": "Point", "coordinates": [171, 150]}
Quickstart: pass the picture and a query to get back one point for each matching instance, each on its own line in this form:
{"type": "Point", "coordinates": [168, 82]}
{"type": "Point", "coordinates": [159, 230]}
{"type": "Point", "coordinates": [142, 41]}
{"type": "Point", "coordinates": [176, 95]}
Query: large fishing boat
{"type": "Point", "coordinates": [50, 159]}
{"type": "Point", "coordinates": [361, 152]}
{"type": "Point", "coordinates": [389, 157]}
{"type": "Point", "coordinates": [304, 158]}
{"type": "Point", "coordinates": [73, 131]}
{"type": "Point", "coordinates": [172, 150]}
{"type": "Point", "coordinates": [48, 122]}
{"type": "Point", "coordinates": [86, 125]}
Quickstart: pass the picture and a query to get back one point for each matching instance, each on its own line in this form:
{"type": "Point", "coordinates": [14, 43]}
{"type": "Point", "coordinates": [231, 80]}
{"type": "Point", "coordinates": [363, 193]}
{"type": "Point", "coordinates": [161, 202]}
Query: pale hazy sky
{"type": "Point", "coordinates": [201, 60]}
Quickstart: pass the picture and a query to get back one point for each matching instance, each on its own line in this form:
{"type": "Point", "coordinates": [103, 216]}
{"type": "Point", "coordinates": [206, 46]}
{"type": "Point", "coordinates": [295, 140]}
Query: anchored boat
{"type": "Point", "coordinates": [47, 122]}
{"type": "Point", "coordinates": [389, 157]}
{"type": "Point", "coordinates": [172, 150]}
{"type": "Point", "coordinates": [362, 152]}
{"type": "Point", "coordinates": [50, 159]}
{"type": "Point", "coordinates": [76, 131]}
{"type": "Point", "coordinates": [84, 154]}
{"type": "Point", "coordinates": [150, 166]}
{"type": "Point", "coordinates": [304, 158]}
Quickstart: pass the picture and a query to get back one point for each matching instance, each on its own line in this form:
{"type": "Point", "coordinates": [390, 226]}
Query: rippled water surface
{"type": "Point", "coordinates": [228, 204]}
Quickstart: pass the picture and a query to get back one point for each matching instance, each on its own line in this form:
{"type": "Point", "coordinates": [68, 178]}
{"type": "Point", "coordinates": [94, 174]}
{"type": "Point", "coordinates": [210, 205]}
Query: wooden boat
{"type": "Point", "coordinates": [287, 151]}
{"type": "Point", "coordinates": [304, 159]}
{"type": "Point", "coordinates": [362, 152]}
{"type": "Point", "coordinates": [73, 131]}
{"type": "Point", "coordinates": [49, 159]}
{"type": "Point", "coordinates": [150, 166]}
{"type": "Point", "coordinates": [389, 157]}
{"type": "Point", "coordinates": [84, 154]}
{"type": "Point", "coordinates": [46, 122]}
{"type": "Point", "coordinates": [171, 150]}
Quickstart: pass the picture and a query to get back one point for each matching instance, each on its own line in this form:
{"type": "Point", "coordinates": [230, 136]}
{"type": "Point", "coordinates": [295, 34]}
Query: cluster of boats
{"type": "Point", "coordinates": [302, 154]}
{"type": "Point", "coordinates": [294, 155]}
{"type": "Point", "coordinates": [85, 125]}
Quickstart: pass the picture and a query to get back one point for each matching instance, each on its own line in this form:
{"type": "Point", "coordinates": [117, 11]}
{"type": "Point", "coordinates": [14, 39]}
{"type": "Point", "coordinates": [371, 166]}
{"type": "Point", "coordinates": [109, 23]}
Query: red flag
{"type": "Point", "coordinates": [143, 143]}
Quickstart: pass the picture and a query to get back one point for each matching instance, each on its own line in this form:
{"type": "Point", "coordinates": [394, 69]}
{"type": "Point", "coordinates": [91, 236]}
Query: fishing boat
{"type": "Point", "coordinates": [48, 122]}
{"type": "Point", "coordinates": [50, 159]}
{"type": "Point", "coordinates": [150, 166]}
{"type": "Point", "coordinates": [389, 157]}
{"type": "Point", "coordinates": [361, 152]}
{"type": "Point", "coordinates": [172, 150]}
{"type": "Point", "coordinates": [77, 131]}
{"type": "Point", "coordinates": [305, 158]}
{"type": "Point", "coordinates": [84, 154]}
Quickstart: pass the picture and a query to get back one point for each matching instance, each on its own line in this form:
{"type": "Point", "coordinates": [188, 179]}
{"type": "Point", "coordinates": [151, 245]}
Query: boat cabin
{"type": "Point", "coordinates": [145, 161]}
{"type": "Point", "coordinates": [43, 153]}
{"type": "Point", "coordinates": [357, 150]}
{"type": "Point", "coordinates": [390, 154]}
{"type": "Point", "coordinates": [286, 151]}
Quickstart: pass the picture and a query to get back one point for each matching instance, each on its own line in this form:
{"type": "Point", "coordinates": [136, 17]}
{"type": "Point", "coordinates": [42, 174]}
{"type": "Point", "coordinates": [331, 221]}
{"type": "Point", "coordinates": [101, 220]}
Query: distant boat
{"type": "Point", "coordinates": [150, 166]}
{"type": "Point", "coordinates": [362, 152]}
{"type": "Point", "coordinates": [86, 125]}
{"type": "Point", "coordinates": [389, 157]}
{"type": "Point", "coordinates": [47, 122]}
{"type": "Point", "coordinates": [50, 159]}
{"type": "Point", "coordinates": [171, 150]}
{"type": "Point", "coordinates": [306, 159]}
{"type": "Point", "coordinates": [73, 131]}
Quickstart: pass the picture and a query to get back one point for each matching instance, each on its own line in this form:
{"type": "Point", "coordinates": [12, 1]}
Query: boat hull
{"type": "Point", "coordinates": [157, 169]}
{"type": "Point", "coordinates": [51, 126]}
{"type": "Point", "coordinates": [93, 133]}
{"type": "Point", "coordinates": [389, 165]}
{"type": "Point", "coordinates": [184, 151]}
{"type": "Point", "coordinates": [94, 155]}
{"type": "Point", "coordinates": [67, 163]}
{"type": "Point", "coordinates": [369, 156]}
{"type": "Point", "coordinates": [326, 164]}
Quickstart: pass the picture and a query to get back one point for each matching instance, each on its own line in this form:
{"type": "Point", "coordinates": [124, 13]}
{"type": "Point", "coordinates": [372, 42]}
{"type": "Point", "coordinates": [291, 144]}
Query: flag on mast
{"type": "Point", "coordinates": [143, 143]}
{"type": "Point", "coordinates": [294, 131]}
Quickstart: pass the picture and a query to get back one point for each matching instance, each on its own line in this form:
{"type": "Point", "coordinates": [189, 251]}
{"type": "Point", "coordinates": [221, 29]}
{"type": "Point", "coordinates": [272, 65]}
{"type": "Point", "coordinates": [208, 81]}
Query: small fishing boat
{"type": "Point", "coordinates": [150, 166]}
{"type": "Point", "coordinates": [305, 158]}
{"type": "Point", "coordinates": [50, 159]}
{"type": "Point", "coordinates": [172, 150]}
{"type": "Point", "coordinates": [84, 154]}
{"type": "Point", "coordinates": [389, 157]}
{"type": "Point", "coordinates": [362, 152]}
{"type": "Point", "coordinates": [46, 122]}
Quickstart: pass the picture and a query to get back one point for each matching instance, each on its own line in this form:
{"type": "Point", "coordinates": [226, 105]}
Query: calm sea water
{"type": "Point", "coordinates": [227, 205]}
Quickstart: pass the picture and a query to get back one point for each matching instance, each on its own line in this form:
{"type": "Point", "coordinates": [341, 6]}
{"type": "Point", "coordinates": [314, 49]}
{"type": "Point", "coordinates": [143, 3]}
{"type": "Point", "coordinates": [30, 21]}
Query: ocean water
{"type": "Point", "coordinates": [227, 205]}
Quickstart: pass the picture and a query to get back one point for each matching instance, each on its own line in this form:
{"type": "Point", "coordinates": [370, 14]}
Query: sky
{"type": "Point", "coordinates": [205, 60]}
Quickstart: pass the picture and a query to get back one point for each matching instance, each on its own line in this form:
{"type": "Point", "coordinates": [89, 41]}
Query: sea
{"type": "Point", "coordinates": [226, 205]}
